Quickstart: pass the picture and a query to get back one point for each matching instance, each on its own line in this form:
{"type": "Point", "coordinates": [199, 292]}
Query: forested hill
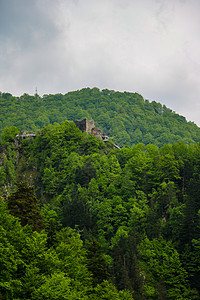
{"type": "Point", "coordinates": [126, 117]}
{"type": "Point", "coordinates": [80, 220]}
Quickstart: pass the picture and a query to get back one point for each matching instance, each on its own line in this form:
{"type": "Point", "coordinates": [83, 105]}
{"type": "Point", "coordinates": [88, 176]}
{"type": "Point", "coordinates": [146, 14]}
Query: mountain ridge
{"type": "Point", "coordinates": [125, 116]}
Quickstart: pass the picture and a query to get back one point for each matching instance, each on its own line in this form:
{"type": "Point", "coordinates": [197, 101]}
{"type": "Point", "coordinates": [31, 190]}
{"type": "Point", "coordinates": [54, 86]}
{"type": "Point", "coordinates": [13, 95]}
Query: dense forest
{"type": "Point", "coordinates": [126, 117]}
{"type": "Point", "coordinates": [83, 220]}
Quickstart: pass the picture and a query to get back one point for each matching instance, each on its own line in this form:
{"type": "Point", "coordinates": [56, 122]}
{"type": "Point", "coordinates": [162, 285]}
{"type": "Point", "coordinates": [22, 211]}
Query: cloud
{"type": "Point", "coordinates": [149, 46]}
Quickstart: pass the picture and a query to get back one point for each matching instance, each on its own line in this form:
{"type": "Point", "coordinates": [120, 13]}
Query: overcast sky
{"type": "Point", "coordinates": [147, 46]}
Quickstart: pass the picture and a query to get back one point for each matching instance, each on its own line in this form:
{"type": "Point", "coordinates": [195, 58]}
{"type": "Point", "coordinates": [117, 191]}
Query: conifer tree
{"type": "Point", "coordinates": [96, 262]}
{"type": "Point", "coordinates": [24, 205]}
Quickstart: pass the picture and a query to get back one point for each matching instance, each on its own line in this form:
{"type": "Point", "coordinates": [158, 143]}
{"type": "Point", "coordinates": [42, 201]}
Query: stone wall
{"type": "Point", "coordinates": [85, 125]}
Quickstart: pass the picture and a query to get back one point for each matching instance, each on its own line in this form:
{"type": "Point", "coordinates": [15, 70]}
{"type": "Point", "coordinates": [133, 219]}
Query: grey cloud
{"type": "Point", "coordinates": [149, 46]}
{"type": "Point", "coordinates": [24, 23]}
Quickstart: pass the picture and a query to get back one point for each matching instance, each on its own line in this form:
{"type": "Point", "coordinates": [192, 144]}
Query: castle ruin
{"type": "Point", "coordinates": [86, 125]}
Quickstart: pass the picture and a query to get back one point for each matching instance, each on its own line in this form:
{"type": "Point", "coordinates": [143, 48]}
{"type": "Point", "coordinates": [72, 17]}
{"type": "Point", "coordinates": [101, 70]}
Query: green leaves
{"type": "Point", "coordinates": [164, 272]}
{"type": "Point", "coordinates": [107, 291]}
{"type": "Point", "coordinates": [31, 271]}
{"type": "Point", "coordinates": [24, 204]}
{"type": "Point", "coordinates": [8, 135]}
{"type": "Point", "coordinates": [96, 262]}
{"type": "Point", "coordinates": [127, 117]}
{"type": "Point", "coordinates": [138, 207]}
{"type": "Point", "coordinates": [56, 287]}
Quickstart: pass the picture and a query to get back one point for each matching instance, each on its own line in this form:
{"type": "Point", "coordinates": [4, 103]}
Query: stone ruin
{"type": "Point", "coordinates": [86, 125]}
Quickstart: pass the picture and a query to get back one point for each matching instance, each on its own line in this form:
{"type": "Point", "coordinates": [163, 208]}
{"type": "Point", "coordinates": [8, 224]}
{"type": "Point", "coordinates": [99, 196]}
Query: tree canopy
{"type": "Point", "coordinates": [127, 117]}
{"type": "Point", "coordinates": [81, 219]}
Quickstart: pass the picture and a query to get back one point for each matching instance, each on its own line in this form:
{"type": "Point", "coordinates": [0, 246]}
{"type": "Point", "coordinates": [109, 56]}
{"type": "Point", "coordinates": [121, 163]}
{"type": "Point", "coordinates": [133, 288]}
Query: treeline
{"type": "Point", "coordinates": [126, 117]}
{"type": "Point", "coordinates": [107, 224]}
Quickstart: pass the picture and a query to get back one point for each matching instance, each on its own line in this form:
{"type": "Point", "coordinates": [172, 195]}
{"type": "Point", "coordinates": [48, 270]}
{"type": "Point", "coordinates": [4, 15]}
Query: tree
{"type": "Point", "coordinates": [24, 205]}
{"type": "Point", "coordinates": [191, 261]}
{"type": "Point", "coordinates": [107, 291]}
{"type": "Point", "coordinates": [163, 272]}
{"type": "Point", "coordinates": [96, 262]}
{"type": "Point", "coordinates": [10, 260]}
{"type": "Point", "coordinates": [125, 266]}
{"type": "Point", "coordinates": [8, 134]}
{"type": "Point", "coordinates": [57, 286]}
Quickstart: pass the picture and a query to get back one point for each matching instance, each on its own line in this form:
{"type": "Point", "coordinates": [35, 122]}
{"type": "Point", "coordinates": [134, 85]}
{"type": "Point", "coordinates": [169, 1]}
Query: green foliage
{"type": "Point", "coordinates": [2, 177]}
{"type": "Point", "coordinates": [96, 262]}
{"type": "Point", "coordinates": [8, 134]}
{"type": "Point", "coordinates": [129, 218]}
{"type": "Point", "coordinates": [126, 270]}
{"type": "Point", "coordinates": [57, 286]}
{"type": "Point", "coordinates": [31, 270]}
{"type": "Point", "coordinates": [107, 291]}
{"type": "Point", "coordinates": [51, 223]}
{"type": "Point", "coordinates": [126, 117]}
{"type": "Point", "coordinates": [8, 159]}
{"type": "Point", "coordinates": [24, 204]}
{"type": "Point", "coordinates": [191, 261]}
{"type": "Point", "coordinates": [163, 273]}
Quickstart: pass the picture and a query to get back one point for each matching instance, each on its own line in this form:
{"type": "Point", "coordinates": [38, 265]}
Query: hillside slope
{"type": "Point", "coordinates": [126, 117]}
{"type": "Point", "coordinates": [104, 220]}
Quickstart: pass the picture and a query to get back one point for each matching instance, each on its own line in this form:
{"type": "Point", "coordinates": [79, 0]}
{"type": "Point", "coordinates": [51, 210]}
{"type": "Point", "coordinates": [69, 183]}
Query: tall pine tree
{"type": "Point", "coordinates": [24, 205]}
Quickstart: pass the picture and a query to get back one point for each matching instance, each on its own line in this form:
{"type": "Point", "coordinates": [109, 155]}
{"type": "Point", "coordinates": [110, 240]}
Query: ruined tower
{"type": "Point", "coordinates": [85, 125]}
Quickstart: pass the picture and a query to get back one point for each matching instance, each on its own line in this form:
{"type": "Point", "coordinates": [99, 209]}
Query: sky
{"type": "Point", "coordinates": [151, 47]}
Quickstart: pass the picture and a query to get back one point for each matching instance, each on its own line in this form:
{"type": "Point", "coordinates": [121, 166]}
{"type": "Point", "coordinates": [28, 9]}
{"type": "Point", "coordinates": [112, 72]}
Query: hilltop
{"type": "Point", "coordinates": [127, 117]}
